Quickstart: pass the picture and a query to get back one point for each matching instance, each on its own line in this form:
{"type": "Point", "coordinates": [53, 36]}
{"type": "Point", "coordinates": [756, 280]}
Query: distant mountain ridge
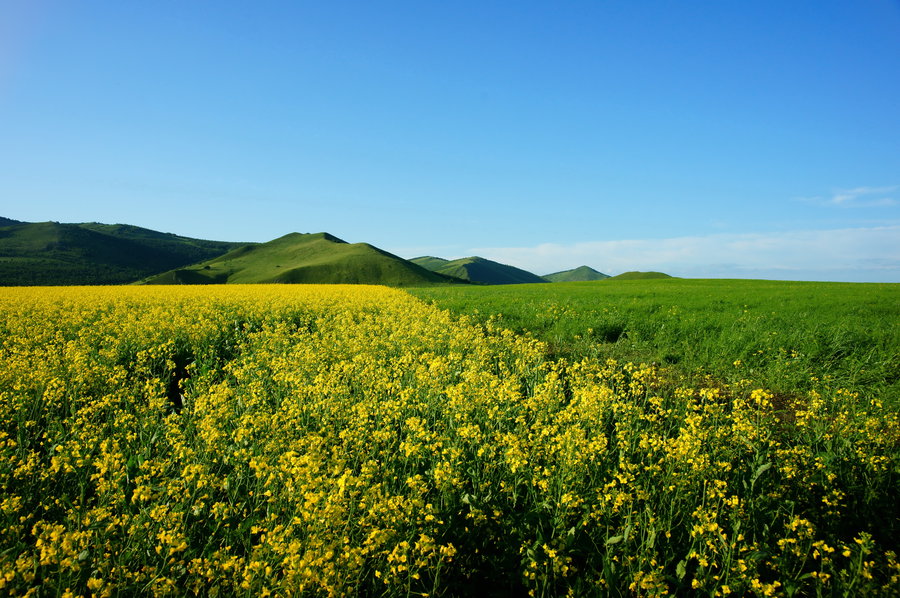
{"type": "Point", "coordinates": [579, 274]}
{"type": "Point", "coordinates": [91, 253]}
{"type": "Point", "coordinates": [479, 270]}
{"type": "Point", "coordinates": [430, 262]}
{"type": "Point", "coordinates": [318, 258]}
{"type": "Point", "coordinates": [51, 253]}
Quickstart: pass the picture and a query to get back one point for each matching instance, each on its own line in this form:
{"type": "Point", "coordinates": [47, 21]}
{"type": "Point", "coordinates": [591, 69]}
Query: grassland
{"type": "Point", "coordinates": [788, 336]}
{"type": "Point", "coordinates": [635, 275]}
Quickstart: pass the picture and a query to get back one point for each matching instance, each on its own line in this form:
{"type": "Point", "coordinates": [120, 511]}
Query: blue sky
{"type": "Point", "coordinates": [704, 139]}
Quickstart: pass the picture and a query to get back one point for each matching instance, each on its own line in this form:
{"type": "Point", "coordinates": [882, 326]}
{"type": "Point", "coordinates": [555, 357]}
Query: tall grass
{"type": "Point", "coordinates": [790, 337]}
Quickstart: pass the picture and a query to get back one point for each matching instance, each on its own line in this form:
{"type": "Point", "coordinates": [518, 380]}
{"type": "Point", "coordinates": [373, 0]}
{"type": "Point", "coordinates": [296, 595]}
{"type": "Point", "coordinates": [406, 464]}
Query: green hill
{"type": "Point", "coordinates": [640, 276]}
{"type": "Point", "coordinates": [582, 273]}
{"type": "Point", "coordinates": [304, 258]}
{"type": "Point", "coordinates": [480, 270]}
{"type": "Point", "coordinates": [430, 262]}
{"type": "Point", "coordinates": [51, 253]}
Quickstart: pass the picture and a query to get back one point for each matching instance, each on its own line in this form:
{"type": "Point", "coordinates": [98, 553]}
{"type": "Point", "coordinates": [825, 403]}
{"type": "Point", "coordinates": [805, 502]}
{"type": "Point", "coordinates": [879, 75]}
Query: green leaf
{"type": "Point", "coordinates": [759, 471]}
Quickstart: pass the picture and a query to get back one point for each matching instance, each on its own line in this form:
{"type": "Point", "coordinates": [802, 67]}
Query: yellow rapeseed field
{"type": "Point", "coordinates": [352, 440]}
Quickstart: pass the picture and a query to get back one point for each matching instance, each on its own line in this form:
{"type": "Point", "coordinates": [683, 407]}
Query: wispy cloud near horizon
{"type": "Point", "coordinates": [866, 195]}
{"type": "Point", "coordinates": [859, 197]}
{"type": "Point", "coordinates": [850, 254]}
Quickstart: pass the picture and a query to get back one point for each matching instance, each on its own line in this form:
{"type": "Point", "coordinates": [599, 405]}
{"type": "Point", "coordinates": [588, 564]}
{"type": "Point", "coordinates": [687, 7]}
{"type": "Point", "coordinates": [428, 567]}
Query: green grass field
{"type": "Point", "coordinates": [786, 336]}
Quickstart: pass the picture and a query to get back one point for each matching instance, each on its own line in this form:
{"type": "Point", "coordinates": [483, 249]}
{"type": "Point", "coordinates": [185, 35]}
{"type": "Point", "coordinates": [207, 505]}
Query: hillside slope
{"type": "Point", "coordinates": [51, 253]}
{"type": "Point", "coordinates": [483, 271]}
{"type": "Point", "coordinates": [579, 274]}
{"type": "Point", "coordinates": [429, 262]}
{"type": "Point", "coordinates": [304, 258]}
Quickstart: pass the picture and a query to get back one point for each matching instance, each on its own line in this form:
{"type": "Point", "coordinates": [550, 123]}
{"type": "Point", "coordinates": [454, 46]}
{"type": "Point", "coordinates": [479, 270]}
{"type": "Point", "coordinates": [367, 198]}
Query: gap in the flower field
{"type": "Point", "coordinates": [179, 375]}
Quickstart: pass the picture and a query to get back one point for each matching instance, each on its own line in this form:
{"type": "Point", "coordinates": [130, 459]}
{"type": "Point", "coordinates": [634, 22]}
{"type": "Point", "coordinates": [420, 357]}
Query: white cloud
{"type": "Point", "coordinates": [853, 196]}
{"type": "Point", "coordinates": [859, 197]}
{"type": "Point", "coordinates": [851, 254]}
